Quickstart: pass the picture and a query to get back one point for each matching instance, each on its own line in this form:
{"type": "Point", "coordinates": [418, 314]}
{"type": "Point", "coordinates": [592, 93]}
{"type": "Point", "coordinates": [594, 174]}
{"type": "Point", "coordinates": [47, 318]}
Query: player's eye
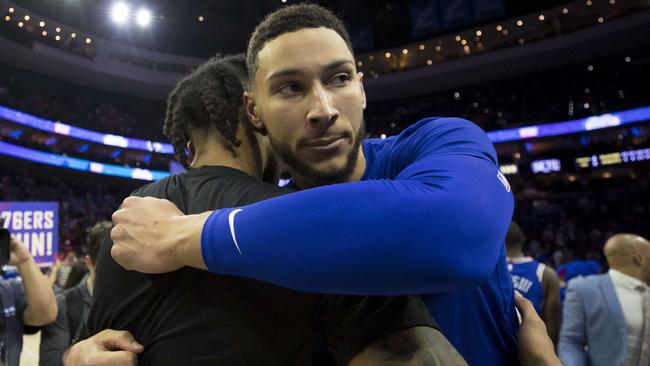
{"type": "Point", "coordinates": [341, 79]}
{"type": "Point", "coordinates": [290, 89]}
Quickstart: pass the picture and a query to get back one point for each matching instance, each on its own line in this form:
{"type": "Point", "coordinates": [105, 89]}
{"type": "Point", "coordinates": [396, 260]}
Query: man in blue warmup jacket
{"type": "Point", "coordinates": [424, 212]}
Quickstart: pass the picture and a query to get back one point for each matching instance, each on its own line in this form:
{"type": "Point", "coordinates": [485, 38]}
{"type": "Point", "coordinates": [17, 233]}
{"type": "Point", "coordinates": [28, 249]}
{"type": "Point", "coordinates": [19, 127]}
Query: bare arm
{"type": "Point", "coordinates": [552, 307]}
{"type": "Point", "coordinates": [39, 296]}
{"type": "Point", "coordinates": [423, 346]}
{"type": "Point", "coordinates": [54, 272]}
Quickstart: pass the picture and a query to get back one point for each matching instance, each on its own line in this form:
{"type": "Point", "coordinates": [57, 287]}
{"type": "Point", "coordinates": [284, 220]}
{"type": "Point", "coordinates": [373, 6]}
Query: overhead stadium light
{"type": "Point", "coordinates": [143, 17]}
{"type": "Point", "coordinates": [120, 12]}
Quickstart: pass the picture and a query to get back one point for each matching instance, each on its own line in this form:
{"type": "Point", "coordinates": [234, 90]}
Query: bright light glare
{"type": "Point", "coordinates": [120, 13]}
{"type": "Point", "coordinates": [143, 17]}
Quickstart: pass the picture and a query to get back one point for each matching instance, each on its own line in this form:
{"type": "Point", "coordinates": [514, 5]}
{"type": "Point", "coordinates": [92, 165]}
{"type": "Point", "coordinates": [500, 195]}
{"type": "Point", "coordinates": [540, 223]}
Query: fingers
{"type": "Point", "coordinates": [118, 358]}
{"type": "Point", "coordinates": [132, 201]}
{"type": "Point", "coordinates": [121, 256]}
{"type": "Point", "coordinates": [14, 241]}
{"type": "Point", "coordinates": [528, 313]}
{"type": "Point", "coordinates": [523, 304]}
{"type": "Point", "coordinates": [115, 340]}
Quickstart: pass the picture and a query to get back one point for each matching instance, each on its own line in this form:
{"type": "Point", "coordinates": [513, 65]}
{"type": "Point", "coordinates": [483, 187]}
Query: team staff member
{"type": "Point", "coordinates": [193, 317]}
{"type": "Point", "coordinates": [425, 212]}
{"type": "Point", "coordinates": [26, 304]}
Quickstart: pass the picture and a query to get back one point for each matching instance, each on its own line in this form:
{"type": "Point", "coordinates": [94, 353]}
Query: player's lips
{"type": "Point", "coordinates": [324, 143]}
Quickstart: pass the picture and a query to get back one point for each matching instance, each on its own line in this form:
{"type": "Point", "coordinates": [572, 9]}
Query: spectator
{"type": "Point", "coordinates": [604, 315]}
{"type": "Point", "coordinates": [73, 304]}
{"type": "Point", "coordinates": [26, 304]}
{"type": "Point", "coordinates": [77, 274]}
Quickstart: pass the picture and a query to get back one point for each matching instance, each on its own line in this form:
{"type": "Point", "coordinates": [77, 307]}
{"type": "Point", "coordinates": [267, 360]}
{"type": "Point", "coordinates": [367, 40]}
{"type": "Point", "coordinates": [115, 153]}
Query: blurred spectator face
{"type": "Point", "coordinates": [70, 258]}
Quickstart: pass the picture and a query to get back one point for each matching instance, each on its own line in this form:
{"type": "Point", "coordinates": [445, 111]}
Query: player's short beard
{"type": "Point", "coordinates": [314, 178]}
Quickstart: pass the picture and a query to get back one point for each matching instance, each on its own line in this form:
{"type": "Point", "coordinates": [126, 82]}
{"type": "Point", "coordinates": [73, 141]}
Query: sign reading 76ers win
{"type": "Point", "coordinates": [36, 224]}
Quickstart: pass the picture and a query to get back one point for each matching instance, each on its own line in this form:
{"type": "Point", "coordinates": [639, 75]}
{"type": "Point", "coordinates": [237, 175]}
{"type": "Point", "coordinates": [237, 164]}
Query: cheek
{"type": "Point", "coordinates": [284, 121]}
{"type": "Point", "coordinates": [351, 108]}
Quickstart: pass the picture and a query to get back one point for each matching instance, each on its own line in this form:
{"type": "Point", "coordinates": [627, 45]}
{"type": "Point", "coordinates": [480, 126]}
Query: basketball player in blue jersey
{"type": "Point", "coordinates": [425, 212]}
{"type": "Point", "coordinates": [534, 280]}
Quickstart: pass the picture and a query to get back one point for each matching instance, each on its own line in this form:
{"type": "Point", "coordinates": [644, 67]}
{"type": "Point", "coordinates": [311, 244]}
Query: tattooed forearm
{"type": "Point", "coordinates": [422, 346]}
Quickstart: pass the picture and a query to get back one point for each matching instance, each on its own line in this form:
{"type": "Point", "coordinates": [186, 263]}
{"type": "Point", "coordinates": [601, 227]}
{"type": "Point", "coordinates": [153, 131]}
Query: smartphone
{"type": "Point", "coordinates": [5, 246]}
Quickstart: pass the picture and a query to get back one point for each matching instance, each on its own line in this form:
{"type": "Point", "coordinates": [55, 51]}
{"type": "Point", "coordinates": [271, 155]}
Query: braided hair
{"type": "Point", "coordinates": [209, 96]}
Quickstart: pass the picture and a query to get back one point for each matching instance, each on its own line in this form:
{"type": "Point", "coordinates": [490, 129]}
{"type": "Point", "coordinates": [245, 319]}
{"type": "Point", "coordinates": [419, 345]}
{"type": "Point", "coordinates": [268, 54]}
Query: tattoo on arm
{"type": "Point", "coordinates": [423, 346]}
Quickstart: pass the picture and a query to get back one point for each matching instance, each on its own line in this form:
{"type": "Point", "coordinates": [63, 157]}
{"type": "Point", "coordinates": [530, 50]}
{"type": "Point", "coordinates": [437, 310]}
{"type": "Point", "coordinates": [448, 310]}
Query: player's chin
{"type": "Point", "coordinates": [332, 169]}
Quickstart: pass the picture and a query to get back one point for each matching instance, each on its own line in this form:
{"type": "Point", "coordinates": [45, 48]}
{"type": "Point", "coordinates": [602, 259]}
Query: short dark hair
{"type": "Point", "coordinates": [210, 95]}
{"type": "Point", "coordinates": [291, 19]}
{"type": "Point", "coordinates": [95, 237]}
{"type": "Point", "coordinates": [515, 237]}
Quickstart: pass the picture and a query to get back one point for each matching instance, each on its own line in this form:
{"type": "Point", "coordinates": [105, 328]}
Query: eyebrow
{"type": "Point", "coordinates": [291, 72]}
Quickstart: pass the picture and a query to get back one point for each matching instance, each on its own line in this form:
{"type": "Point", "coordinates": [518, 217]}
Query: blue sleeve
{"type": "Point", "coordinates": [437, 223]}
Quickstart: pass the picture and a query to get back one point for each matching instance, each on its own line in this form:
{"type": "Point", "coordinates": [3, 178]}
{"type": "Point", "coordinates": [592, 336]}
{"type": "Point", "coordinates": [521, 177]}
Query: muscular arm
{"type": "Point", "coordinates": [551, 307]}
{"type": "Point", "coordinates": [436, 224]}
{"type": "Point", "coordinates": [422, 346]}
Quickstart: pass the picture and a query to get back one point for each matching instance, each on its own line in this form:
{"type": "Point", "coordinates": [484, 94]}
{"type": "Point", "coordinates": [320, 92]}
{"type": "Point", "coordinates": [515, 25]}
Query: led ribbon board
{"type": "Point", "coordinates": [569, 127]}
{"type": "Point", "coordinates": [29, 120]}
{"type": "Point", "coordinates": [510, 134]}
{"type": "Point", "coordinates": [79, 164]}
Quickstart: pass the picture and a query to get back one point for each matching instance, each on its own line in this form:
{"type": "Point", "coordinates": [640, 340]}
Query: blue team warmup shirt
{"type": "Point", "coordinates": [429, 217]}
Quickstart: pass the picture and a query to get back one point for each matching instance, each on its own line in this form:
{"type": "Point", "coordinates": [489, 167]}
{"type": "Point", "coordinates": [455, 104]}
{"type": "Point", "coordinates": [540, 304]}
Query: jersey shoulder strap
{"type": "Point", "coordinates": [540, 271]}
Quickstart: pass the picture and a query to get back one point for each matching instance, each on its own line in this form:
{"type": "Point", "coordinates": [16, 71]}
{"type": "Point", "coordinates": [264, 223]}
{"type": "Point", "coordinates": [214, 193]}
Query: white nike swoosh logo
{"type": "Point", "coordinates": [231, 222]}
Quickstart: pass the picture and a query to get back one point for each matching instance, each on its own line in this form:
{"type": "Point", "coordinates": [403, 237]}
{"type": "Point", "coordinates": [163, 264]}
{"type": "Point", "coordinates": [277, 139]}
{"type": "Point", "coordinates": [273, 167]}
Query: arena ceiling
{"type": "Point", "coordinates": [202, 28]}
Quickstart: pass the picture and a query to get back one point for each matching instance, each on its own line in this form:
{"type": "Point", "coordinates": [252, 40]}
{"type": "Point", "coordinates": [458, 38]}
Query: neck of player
{"type": "Point", "coordinates": [514, 253]}
{"type": "Point", "coordinates": [212, 149]}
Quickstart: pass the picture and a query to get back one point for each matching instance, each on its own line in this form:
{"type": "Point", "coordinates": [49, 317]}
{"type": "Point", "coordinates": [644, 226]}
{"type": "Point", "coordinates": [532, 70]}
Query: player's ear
{"type": "Point", "coordinates": [253, 114]}
{"type": "Point", "coordinates": [191, 150]}
{"type": "Point", "coordinates": [363, 90]}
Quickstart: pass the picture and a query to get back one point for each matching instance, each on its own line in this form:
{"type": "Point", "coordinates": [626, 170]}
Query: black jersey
{"type": "Point", "coordinates": [192, 317]}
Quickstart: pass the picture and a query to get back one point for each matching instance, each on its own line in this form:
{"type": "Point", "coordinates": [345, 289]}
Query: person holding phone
{"type": "Point", "coordinates": [27, 303]}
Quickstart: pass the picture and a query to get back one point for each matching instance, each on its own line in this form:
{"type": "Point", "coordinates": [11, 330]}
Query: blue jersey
{"type": "Point", "coordinates": [429, 216]}
{"type": "Point", "coordinates": [527, 279]}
